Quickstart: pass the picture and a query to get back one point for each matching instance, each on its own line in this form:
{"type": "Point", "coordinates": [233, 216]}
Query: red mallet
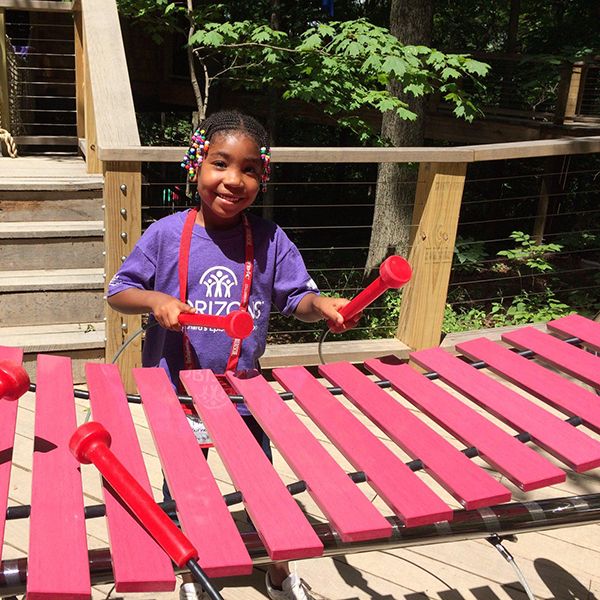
{"type": "Point", "coordinates": [91, 444]}
{"type": "Point", "coordinates": [237, 324]}
{"type": "Point", "coordinates": [394, 272]}
{"type": "Point", "coordinates": [14, 381]}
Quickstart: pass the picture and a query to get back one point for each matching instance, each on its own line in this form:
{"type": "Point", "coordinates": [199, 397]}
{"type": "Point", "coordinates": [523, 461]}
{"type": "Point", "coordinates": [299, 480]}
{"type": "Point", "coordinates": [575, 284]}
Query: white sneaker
{"type": "Point", "coordinates": [192, 591]}
{"type": "Point", "coordinates": [293, 588]}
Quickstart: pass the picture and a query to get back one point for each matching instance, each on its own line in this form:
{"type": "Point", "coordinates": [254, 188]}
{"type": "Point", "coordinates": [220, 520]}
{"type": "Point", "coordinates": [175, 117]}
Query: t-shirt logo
{"type": "Point", "coordinates": [218, 282]}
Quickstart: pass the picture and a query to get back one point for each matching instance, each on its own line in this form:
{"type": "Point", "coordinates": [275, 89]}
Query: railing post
{"type": "Point", "coordinates": [91, 153]}
{"type": "Point", "coordinates": [433, 234]}
{"type": "Point", "coordinates": [4, 91]}
{"type": "Point", "coordinates": [79, 74]}
{"type": "Point", "coordinates": [122, 222]}
{"type": "Point", "coordinates": [574, 91]}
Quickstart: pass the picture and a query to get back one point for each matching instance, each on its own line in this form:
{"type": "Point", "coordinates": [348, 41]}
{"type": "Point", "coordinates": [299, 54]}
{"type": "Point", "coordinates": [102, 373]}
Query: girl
{"type": "Point", "coordinates": [215, 259]}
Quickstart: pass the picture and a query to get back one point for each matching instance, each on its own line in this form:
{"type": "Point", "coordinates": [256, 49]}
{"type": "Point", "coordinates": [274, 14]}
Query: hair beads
{"type": "Point", "coordinates": [196, 153]}
{"type": "Point", "coordinates": [227, 121]}
{"type": "Point", "coordinates": [265, 157]}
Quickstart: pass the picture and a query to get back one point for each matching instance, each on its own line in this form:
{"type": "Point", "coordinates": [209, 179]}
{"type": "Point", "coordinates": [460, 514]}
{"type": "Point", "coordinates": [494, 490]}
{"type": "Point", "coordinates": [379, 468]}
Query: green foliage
{"type": "Point", "coordinates": [385, 322]}
{"type": "Point", "coordinates": [344, 67]}
{"type": "Point", "coordinates": [529, 253]}
{"type": "Point", "coordinates": [529, 307]}
{"type": "Point", "coordinates": [171, 129]}
{"type": "Point", "coordinates": [468, 255]}
{"type": "Point", "coordinates": [463, 319]}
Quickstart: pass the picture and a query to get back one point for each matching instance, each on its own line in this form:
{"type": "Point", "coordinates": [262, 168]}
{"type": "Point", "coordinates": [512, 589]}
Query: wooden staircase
{"type": "Point", "coordinates": [52, 259]}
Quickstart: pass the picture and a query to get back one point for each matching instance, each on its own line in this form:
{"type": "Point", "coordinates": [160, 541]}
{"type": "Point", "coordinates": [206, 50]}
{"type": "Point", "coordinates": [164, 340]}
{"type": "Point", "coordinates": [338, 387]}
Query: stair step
{"type": "Point", "coordinates": [50, 229]}
{"type": "Point", "coordinates": [54, 338]}
{"type": "Point", "coordinates": [51, 279]}
{"type": "Point", "coordinates": [82, 342]}
{"type": "Point", "coordinates": [51, 206]}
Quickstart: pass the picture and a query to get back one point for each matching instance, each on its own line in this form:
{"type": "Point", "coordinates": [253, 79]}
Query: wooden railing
{"type": "Point", "coordinates": [106, 117]}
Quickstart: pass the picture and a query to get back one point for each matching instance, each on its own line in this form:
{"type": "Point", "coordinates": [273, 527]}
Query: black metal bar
{"type": "Point", "coordinates": [502, 519]}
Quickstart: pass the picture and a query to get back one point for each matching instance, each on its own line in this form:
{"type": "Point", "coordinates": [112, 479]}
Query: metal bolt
{"type": "Point", "coordinates": [123, 258]}
{"type": "Point", "coordinates": [103, 252]}
{"type": "Point", "coordinates": [123, 188]}
{"type": "Point", "coordinates": [124, 326]}
{"type": "Point", "coordinates": [124, 236]}
{"type": "Point", "coordinates": [123, 212]}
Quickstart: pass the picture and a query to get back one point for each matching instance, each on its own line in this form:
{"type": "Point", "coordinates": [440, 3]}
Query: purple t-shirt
{"type": "Point", "coordinates": [216, 268]}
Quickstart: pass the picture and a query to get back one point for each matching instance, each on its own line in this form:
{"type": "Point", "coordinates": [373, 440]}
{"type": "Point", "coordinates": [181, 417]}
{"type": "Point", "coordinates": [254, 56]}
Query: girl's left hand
{"type": "Point", "coordinates": [329, 309]}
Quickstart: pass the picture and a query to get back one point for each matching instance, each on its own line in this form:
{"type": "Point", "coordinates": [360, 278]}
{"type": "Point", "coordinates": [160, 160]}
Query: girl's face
{"type": "Point", "coordinates": [229, 179]}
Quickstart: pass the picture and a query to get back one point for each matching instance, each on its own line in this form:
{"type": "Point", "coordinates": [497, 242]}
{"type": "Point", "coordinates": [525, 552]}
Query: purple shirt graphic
{"type": "Point", "coordinates": [216, 269]}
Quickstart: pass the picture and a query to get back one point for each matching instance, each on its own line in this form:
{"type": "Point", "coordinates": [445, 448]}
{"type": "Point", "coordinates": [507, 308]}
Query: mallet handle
{"type": "Point", "coordinates": [394, 272]}
{"type": "Point", "coordinates": [90, 444]}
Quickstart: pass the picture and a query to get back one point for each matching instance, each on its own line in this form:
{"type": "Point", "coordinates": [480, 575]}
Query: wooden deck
{"type": "Point", "coordinates": [45, 173]}
{"type": "Point", "coordinates": [557, 564]}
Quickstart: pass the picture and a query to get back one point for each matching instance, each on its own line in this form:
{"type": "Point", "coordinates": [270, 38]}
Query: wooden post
{"type": "Point", "coordinates": [4, 91]}
{"type": "Point", "coordinates": [122, 222]}
{"type": "Point", "coordinates": [433, 234]}
{"type": "Point", "coordinates": [575, 90]}
{"type": "Point", "coordinates": [79, 74]}
{"type": "Point", "coordinates": [94, 165]}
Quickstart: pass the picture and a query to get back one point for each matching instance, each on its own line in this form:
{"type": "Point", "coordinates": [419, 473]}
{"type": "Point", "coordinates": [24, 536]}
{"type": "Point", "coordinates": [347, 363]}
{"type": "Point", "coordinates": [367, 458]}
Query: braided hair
{"type": "Point", "coordinates": [222, 122]}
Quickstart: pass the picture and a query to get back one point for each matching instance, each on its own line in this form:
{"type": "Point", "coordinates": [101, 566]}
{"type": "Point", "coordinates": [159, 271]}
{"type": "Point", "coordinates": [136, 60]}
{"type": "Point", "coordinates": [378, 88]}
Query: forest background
{"type": "Point", "coordinates": [365, 73]}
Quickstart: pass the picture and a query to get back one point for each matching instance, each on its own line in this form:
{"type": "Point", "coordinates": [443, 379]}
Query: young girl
{"type": "Point", "coordinates": [215, 259]}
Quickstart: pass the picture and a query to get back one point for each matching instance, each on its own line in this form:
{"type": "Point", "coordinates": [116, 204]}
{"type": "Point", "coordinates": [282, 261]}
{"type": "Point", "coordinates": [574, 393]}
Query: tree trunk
{"type": "Point", "coordinates": [268, 208]}
{"type": "Point", "coordinates": [411, 22]}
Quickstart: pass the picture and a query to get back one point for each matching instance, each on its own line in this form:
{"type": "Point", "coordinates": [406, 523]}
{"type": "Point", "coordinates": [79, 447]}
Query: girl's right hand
{"type": "Point", "coordinates": [166, 310]}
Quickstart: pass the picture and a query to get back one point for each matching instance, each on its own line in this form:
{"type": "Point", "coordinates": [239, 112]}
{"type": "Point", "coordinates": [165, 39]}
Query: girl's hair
{"type": "Point", "coordinates": [226, 121]}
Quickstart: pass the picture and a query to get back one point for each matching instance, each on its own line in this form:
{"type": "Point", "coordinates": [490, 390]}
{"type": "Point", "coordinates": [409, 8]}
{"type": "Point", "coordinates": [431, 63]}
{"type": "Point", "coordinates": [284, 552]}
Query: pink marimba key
{"type": "Point", "coordinates": [546, 385]}
{"type": "Point", "coordinates": [560, 439]}
{"type": "Point", "coordinates": [139, 564]}
{"type": "Point", "coordinates": [399, 487]}
{"type": "Point", "coordinates": [203, 514]}
{"type": "Point", "coordinates": [586, 330]}
{"type": "Point", "coordinates": [282, 526]}
{"type": "Point", "coordinates": [343, 503]}
{"type": "Point", "coordinates": [58, 569]}
{"type": "Point", "coordinates": [570, 359]}
{"type": "Point", "coordinates": [472, 486]}
{"type": "Point", "coordinates": [518, 462]}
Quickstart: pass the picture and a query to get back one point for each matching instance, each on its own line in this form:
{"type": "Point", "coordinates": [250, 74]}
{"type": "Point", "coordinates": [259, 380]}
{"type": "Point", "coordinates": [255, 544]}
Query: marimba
{"type": "Point", "coordinates": [59, 564]}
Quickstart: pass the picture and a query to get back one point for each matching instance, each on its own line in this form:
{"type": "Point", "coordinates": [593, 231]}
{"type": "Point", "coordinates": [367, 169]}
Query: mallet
{"type": "Point", "coordinates": [237, 324]}
{"type": "Point", "coordinates": [14, 381]}
{"type": "Point", "coordinates": [394, 272]}
{"type": "Point", "coordinates": [91, 444]}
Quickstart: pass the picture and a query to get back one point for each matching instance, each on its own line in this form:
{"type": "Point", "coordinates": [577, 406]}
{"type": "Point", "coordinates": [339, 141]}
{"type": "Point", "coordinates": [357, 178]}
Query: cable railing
{"type": "Point", "coordinates": [41, 79]}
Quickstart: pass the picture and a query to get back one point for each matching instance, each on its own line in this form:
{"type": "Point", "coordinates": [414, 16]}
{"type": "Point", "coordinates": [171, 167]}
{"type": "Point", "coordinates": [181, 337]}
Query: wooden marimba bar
{"type": "Point", "coordinates": [59, 564]}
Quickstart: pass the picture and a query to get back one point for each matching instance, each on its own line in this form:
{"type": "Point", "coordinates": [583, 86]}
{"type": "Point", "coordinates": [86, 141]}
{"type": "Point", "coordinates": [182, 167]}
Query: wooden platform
{"type": "Point", "coordinates": [45, 173]}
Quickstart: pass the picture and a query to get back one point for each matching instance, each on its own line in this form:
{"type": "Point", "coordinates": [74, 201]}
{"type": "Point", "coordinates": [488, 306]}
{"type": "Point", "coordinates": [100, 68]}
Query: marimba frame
{"type": "Point", "coordinates": [465, 524]}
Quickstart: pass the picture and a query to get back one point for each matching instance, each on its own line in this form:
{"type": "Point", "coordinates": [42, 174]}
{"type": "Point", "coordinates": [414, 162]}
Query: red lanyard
{"type": "Point", "coordinates": [184, 260]}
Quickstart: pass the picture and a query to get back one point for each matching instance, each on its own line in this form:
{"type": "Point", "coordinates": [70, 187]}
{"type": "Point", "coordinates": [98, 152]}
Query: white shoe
{"type": "Point", "coordinates": [192, 591]}
{"type": "Point", "coordinates": [293, 588]}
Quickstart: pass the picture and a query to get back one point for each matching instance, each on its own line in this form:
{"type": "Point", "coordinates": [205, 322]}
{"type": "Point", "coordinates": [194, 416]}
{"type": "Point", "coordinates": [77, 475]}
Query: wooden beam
{"type": "Point", "coordinates": [300, 155]}
{"type": "Point", "coordinates": [433, 233]}
{"type": "Point", "coordinates": [4, 93]}
{"type": "Point", "coordinates": [108, 76]}
{"type": "Point", "coordinates": [575, 89]}
{"type": "Point", "coordinates": [37, 5]}
{"type": "Point", "coordinates": [79, 74]}
{"type": "Point", "coordinates": [122, 223]}
{"type": "Point", "coordinates": [458, 154]}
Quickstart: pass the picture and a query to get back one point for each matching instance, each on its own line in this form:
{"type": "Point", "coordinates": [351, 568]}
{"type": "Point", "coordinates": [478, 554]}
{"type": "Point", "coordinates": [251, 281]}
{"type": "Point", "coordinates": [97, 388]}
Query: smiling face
{"type": "Point", "coordinates": [229, 179]}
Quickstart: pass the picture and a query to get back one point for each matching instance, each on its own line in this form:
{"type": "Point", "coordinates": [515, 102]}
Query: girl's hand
{"type": "Point", "coordinates": [314, 307]}
{"type": "Point", "coordinates": [166, 310]}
